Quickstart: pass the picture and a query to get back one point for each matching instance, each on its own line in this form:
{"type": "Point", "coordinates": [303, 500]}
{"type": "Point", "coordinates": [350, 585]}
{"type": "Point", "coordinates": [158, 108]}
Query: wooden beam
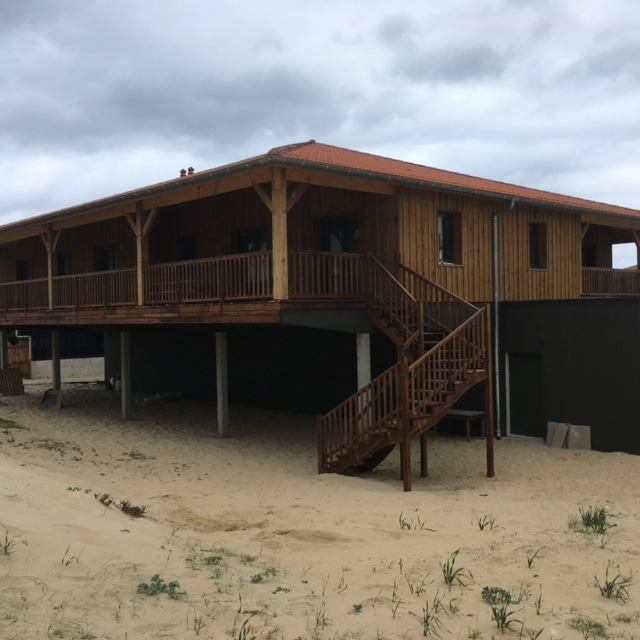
{"type": "Point", "coordinates": [263, 196]}
{"type": "Point", "coordinates": [636, 238]}
{"type": "Point", "coordinates": [585, 228]}
{"type": "Point", "coordinates": [280, 235]}
{"type": "Point", "coordinates": [339, 181]}
{"type": "Point", "coordinates": [148, 224]}
{"type": "Point", "coordinates": [55, 361]}
{"type": "Point", "coordinates": [296, 195]}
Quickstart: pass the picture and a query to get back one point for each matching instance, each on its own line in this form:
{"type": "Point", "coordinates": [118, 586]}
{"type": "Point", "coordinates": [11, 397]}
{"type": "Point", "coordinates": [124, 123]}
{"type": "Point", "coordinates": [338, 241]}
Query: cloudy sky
{"type": "Point", "coordinates": [101, 96]}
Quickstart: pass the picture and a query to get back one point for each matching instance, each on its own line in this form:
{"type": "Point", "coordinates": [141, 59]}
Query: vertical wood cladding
{"type": "Point", "coordinates": [377, 220]}
{"type": "Point", "coordinates": [81, 242]}
{"type": "Point", "coordinates": [211, 223]}
{"type": "Point", "coordinates": [472, 278]}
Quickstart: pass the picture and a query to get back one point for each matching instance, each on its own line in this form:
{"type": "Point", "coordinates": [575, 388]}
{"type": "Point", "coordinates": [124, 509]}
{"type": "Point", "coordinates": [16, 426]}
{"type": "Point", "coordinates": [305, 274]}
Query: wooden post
{"type": "Point", "coordinates": [50, 242]}
{"type": "Point", "coordinates": [424, 469]}
{"type": "Point", "coordinates": [55, 360]}
{"type": "Point", "coordinates": [489, 426]}
{"type": "Point", "coordinates": [279, 235]}
{"type": "Point", "coordinates": [405, 417]}
{"type": "Point", "coordinates": [125, 374]}
{"type": "Point", "coordinates": [141, 226]}
{"type": "Point", "coordinates": [222, 391]}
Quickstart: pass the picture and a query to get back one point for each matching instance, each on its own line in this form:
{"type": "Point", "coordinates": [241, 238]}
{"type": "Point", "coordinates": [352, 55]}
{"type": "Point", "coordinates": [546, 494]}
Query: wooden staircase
{"type": "Point", "coordinates": [443, 351]}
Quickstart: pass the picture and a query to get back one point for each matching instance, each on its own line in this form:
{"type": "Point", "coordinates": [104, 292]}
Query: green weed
{"type": "Point", "coordinates": [588, 627]}
{"type": "Point", "coordinates": [486, 521]}
{"type": "Point", "coordinates": [591, 520]}
{"type": "Point", "coordinates": [157, 585]}
{"type": "Point", "coordinates": [616, 588]}
{"type": "Point", "coordinates": [453, 576]}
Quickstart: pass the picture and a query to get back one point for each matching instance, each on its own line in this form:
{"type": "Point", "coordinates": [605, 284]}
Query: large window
{"type": "Point", "coordinates": [339, 233]}
{"type": "Point", "coordinates": [251, 240]}
{"type": "Point", "coordinates": [24, 269]}
{"type": "Point", "coordinates": [537, 245]}
{"type": "Point", "coordinates": [63, 264]}
{"type": "Point", "coordinates": [450, 237]}
{"type": "Point", "coordinates": [105, 258]}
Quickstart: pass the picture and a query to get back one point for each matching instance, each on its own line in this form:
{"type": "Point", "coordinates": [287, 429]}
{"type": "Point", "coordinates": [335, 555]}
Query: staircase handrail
{"type": "Point", "coordinates": [435, 285]}
{"type": "Point", "coordinates": [371, 409]}
{"type": "Point", "coordinates": [408, 314]}
{"type": "Point", "coordinates": [430, 377]}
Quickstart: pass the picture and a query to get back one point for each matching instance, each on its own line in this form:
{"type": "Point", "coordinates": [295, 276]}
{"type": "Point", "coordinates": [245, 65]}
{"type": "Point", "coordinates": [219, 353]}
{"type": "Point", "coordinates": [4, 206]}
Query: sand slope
{"type": "Point", "coordinates": [253, 535]}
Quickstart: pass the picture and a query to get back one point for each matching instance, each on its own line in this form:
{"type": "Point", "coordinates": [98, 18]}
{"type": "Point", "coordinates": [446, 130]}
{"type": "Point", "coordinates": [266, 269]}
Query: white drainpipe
{"type": "Point", "coordinates": [496, 314]}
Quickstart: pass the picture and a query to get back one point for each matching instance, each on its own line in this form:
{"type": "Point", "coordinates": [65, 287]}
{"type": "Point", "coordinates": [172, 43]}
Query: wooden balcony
{"type": "Point", "coordinates": [191, 290]}
{"type": "Point", "coordinates": [610, 282]}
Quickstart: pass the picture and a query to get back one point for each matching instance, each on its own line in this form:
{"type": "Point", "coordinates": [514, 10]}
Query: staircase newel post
{"type": "Point", "coordinates": [405, 416]}
{"type": "Point", "coordinates": [321, 447]}
{"type": "Point", "coordinates": [489, 393]}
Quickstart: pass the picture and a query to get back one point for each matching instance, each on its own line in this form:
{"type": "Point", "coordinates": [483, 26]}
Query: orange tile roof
{"type": "Point", "coordinates": [331, 156]}
{"type": "Point", "coordinates": [336, 159]}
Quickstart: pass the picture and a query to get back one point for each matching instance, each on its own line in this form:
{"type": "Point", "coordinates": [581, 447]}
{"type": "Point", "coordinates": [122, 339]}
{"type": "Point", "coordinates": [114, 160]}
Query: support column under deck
{"type": "Point", "coordinates": [125, 374]}
{"type": "Point", "coordinates": [363, 350]}
{"type": "Point", "coordinates": [222, 388]}
{"type": "Point", "coordinates": [56, 378]}
{"type": "Point", "coordinates": [4, 349]}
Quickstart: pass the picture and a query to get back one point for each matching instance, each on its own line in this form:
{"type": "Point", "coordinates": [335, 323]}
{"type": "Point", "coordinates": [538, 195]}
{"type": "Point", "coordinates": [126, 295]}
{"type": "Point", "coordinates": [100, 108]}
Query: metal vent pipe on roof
{"type": "Point", "coordinates": [496, 313]}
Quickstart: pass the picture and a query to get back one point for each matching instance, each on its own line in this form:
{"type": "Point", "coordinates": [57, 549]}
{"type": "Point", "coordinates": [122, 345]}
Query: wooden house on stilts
{"type": "Point", "coordinates": [431, 271]}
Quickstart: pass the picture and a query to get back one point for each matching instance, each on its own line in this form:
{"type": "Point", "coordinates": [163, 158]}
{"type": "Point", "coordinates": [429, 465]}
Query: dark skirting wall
{"type": "Point", "coordinates": [575, 361]}
{"type": "Point", "coordinates": [273, 367]}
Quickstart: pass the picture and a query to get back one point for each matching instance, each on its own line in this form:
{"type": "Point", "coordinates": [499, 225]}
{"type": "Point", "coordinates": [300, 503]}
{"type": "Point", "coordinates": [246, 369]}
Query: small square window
{"type": "Point", "coordinates": [449, 237]}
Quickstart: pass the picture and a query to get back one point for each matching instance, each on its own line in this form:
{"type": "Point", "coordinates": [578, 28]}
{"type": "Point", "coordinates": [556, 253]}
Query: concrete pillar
{"type": "Point", "coordinates": [125, 374]}
{"type": "Point", "coordinates": [55, 360]}
{"type": "Point", "coordinates": [222, 389]}
{"type": "Point", "coordinates": [4, 349]}
{"type": "Point", "coordinates": [363, 350]}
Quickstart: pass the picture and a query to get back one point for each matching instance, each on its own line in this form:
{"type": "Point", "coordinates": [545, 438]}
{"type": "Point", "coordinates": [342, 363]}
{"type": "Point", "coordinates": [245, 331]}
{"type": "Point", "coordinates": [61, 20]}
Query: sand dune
{"type": "Point", "coordinates": [252, 535]}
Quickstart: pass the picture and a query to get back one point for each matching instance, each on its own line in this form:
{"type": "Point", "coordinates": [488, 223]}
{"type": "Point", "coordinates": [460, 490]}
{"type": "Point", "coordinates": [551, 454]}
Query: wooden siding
{"type": "Point", "coordinates": [377, 220]}
{"type": "Point", "coordinates": [80, 243]}
{"type": "Point", "coordinates": [472, 278]}
{"type": "Point", "coordinates": [212, 223]}
{"type": "Point", "coordinates": [27, 249]}
{"type": "Point", "coordinates": [562, 276]}
{"type": "Point", "coordinates": [601, 238]}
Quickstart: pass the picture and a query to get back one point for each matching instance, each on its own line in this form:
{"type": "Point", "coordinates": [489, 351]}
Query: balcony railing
{"type": "Point", "coordinates": [610, 282]}
{"type": "Point", "coordinates": [245, 276]}
{"type": "Point", "coordinates": [26, 295]}
{"type": "Point", "coordinates": [326, 275]}
{"type": "Point", "coordinates": [241, 277]}
{"type": "Point", "coordinates": [100, 289]}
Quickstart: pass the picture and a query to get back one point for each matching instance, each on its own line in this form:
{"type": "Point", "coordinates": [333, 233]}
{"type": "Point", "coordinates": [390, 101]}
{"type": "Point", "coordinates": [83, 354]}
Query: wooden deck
{"type": "Point", "coordinates": [234, 288]}
{"type": "Point", "coordinates": [610, 282]}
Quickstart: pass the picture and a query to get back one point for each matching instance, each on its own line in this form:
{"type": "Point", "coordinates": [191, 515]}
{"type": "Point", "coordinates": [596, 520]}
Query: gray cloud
{"type": "Point", "coordinates": [540, 93]}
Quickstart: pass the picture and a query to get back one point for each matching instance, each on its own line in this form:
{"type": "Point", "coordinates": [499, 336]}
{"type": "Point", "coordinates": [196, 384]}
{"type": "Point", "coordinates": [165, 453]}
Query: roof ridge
{"type": "Point", "coordinates": [289, 147]}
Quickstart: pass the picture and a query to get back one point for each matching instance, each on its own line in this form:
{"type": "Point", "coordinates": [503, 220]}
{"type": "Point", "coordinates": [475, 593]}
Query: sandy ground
{"type": "Point", "coordinates": [260, 546]}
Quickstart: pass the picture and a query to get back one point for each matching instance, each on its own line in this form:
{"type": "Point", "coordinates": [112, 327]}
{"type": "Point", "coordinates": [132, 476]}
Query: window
{"type": "Point", "coordinates": [105, 258]}
{"type": "Point", "coordinates": [537, 245]}
{"type": "Point", "coordinates": [339, 233]}
{"type": "Point", "coordinates": [188, 249]}
{"type": "Point", "coordinates": [63, 261]}
{"type": "Point", "coordinates": [449, 237]}
{"type": "Point", "coordinates": [251, 240]}
{"type": "Point", "coordinates": [24, 269]}
{"type": "Point", "coordinates": [589, 255]}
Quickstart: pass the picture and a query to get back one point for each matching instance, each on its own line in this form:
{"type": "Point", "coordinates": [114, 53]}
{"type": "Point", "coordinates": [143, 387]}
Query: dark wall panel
{"type": "Point", "coordinates": [287, 368]}
{"type": "Point", "coordinates": [588, 352]}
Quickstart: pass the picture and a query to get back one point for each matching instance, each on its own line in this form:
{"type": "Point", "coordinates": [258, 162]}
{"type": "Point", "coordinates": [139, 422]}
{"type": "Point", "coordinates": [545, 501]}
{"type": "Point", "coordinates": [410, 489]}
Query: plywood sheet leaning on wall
{"type": "Point", "coordinates": [11, 382]}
